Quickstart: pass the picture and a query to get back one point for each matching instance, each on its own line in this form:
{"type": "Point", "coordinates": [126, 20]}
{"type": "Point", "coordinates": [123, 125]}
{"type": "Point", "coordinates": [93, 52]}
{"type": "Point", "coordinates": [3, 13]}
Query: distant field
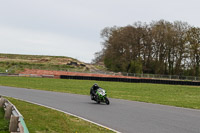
{"type": "Point", "coordinates": [43, 120]}
{"type": "Point", "coordinates": [175, 95]}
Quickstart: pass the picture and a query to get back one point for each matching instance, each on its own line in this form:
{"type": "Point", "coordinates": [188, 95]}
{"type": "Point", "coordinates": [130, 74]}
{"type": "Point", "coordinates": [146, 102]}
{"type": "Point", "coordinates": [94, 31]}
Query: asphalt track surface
{"type": "Point", "coordinates": [121, 115]}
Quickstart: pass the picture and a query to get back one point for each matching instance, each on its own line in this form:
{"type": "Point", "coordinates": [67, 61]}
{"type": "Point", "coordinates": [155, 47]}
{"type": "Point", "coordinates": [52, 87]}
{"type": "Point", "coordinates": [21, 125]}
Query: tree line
{"type": "Point", "coordinates": [160, 47]}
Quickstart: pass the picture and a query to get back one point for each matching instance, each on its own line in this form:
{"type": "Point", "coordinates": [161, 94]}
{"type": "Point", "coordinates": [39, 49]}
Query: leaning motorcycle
{"type": "Point", "coordinates": [101, 96]}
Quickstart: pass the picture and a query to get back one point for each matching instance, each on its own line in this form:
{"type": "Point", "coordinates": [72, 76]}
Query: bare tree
{"type": "Point", "coordinates": [193, 36]}
{"type": "Point", "coordinates": [160, 47]}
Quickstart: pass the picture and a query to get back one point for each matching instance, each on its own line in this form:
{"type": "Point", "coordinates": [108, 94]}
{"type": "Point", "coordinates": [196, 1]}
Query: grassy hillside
{"type": "Point", "coordinates": [15, 63]}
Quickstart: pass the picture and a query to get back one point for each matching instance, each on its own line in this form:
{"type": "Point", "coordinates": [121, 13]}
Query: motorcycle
{"type": "Point", "coordinates": [101, 96]}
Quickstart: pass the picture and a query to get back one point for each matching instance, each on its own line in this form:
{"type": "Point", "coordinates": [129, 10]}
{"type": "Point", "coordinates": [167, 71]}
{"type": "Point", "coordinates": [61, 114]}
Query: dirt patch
{"type": "Point", "coordinates": [58, 73]}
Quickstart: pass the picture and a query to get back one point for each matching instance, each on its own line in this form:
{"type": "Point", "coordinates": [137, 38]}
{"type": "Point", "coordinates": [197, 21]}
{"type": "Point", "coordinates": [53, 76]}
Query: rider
{"type": "Point", "coordinates": [93, 91]}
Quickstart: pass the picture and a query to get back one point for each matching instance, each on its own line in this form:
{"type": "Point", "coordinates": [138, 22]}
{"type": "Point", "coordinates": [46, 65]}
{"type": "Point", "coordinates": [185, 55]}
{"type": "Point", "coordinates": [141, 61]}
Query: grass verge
{"type": "Point", "coordinates": [4, 124]}
{"type": "Point", "coordinates": [44, 120]}
{"type": "Point", "coordinates": [175, 95]}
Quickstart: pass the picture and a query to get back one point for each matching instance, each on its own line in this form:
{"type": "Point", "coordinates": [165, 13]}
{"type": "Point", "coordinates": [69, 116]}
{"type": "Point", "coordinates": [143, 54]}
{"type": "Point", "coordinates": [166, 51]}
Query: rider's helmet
{"type": "Point", "coordinates": [95, 86]}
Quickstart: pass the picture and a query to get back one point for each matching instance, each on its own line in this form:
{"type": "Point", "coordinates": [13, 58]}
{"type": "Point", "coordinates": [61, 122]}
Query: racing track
{"type": "Point", "coordinates": [121, 115]}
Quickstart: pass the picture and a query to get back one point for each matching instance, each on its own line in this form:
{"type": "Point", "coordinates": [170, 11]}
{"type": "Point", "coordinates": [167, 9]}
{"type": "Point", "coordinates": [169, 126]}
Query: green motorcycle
{"type": "Point", "coordinates": [101, 96]}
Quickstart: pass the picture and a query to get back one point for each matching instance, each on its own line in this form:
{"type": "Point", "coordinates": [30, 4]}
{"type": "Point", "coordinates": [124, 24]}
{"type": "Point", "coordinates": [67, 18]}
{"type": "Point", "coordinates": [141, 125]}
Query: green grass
{"type": "Point", "coordinates": [43, 120]}
{"type": "Point", "coordinates": [175, 95]}
{"type": "Point", "coordinates": [4, 124]}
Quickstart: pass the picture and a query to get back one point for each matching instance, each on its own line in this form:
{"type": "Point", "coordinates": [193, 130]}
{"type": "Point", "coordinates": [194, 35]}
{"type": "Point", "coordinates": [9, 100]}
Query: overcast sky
{"type": "Point", "coordinates": [72, 27]}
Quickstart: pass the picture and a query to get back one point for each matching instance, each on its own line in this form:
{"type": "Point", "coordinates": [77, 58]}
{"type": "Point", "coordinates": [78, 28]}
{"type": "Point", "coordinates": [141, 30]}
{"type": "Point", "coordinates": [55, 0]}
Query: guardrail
{"type": "Point", "coordinates": [17, 123]}
{"type": "Point", "coordinates": [27, 75]}
{"type": "Point", "coordinates": [153, 81]}
{"type": "Point", "coordinates": [143, 75]}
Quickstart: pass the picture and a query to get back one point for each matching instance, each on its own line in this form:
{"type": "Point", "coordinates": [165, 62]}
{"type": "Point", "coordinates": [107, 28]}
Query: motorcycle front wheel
{"type": "Point", "coordinates": [92, 97]}
{"type": "Point", "coordinates": [107, 101]}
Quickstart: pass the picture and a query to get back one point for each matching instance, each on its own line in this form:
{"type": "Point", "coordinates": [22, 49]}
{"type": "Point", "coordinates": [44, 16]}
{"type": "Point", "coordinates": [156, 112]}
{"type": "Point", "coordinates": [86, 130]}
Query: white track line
{"type": "Point", "coordinates": [68, 114]}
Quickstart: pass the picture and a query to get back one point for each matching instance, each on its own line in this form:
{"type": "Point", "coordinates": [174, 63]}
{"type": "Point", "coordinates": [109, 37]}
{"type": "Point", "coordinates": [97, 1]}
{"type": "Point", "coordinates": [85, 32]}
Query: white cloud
{"type": "Point", "coordinates": [72, 27]}
{"type": "Point", "coordinates": [44, 43]}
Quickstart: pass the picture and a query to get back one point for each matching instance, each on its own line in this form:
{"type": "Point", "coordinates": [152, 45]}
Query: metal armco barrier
{"type": "Point", "coordinates": [3, 74]}
{"type": "Point", "coordinates": [154, 81]}
{"type": "Point", "coordinates": [17, 123]}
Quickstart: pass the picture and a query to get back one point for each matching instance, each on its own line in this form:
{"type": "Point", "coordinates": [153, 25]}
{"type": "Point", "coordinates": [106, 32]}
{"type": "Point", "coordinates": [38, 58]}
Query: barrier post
{"type": "Point", "coordinates": [14, 120]}
{"type": "Point", "coordinates": [2, 101]}
{"type": "Point", "coordinates": [8, 112]}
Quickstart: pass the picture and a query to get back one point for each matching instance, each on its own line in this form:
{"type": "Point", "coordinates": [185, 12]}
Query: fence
{"type": "Point", "coordinates": [153, 76]}
{"type": "Point", "coordinates": [154, 81]}
{"type": "Point", "coordinates": [17, 123]}
{"type": "Point", "coordinates": [157, 76]}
